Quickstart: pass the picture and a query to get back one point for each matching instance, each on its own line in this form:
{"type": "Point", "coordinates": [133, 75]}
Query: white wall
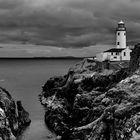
{"type": "Point", "coordinates": [114, 56]}
{"type": "Point", "coordinates": [108, 56]}
{"type": "Point", "coordinates": [101, 56]}
{"type": "Point", "coordinates": [127, 51]}
{"type": "Point", "coordinates": [121, 38]}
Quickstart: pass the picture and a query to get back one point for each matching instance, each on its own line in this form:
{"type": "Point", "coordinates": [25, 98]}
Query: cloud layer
{"type": "Point", "coordinates": [67, 23]}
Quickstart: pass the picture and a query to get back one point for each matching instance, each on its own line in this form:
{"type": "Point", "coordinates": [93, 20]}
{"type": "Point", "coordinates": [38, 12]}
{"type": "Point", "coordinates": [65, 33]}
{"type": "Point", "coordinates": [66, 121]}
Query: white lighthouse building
{"type": "Point", "coordinates": [121, 52]}
{"type": "Point", "coordinates": [121, 35]}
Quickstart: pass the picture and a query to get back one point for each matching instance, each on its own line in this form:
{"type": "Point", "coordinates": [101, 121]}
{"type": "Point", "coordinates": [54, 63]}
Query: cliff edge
{"type": "Point", "coordinates": [95, 101]}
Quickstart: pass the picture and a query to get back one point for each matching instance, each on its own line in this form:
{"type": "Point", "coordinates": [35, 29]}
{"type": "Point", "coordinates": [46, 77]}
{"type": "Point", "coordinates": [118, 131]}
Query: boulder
{"type": "Point", "coordinates": [10, 125]}
{"type": "Point", "coordinates": [23, 115]}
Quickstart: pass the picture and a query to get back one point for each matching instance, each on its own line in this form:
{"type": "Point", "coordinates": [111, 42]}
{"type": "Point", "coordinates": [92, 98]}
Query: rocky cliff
{"type": "Point", "coordinates": [95, 101]}
{"type": "Point", "coordinates": [13, 117]}
{"type": "Point", "coordinates": [135, 58]}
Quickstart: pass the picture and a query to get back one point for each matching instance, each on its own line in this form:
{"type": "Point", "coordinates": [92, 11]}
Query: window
{"type": "Point", "coordinates": [118, 43]}
{"type": "Point", "coordinates": [117, 53]}
{"type": "Point", "coordinates": [118, 33]}
{"type": "Point", "coordinates": [124, 53]}
{"type": "Point", "coordinates": [115, 57]}
{"type": "Point", "coordinates": [124, 34]}
{"type": "Point", "coordinates": [111, 53]}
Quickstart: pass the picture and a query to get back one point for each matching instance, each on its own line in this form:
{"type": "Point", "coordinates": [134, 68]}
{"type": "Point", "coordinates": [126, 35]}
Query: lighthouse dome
{"type": "Point", "coordinates": [121, 22]}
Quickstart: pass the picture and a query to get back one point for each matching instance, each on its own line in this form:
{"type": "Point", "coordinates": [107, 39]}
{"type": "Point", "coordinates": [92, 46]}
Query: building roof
{"type": "Point", "coordinates": [115, 50]}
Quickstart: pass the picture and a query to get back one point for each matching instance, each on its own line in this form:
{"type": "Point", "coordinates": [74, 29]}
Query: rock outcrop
{"type": "Point", "coordinates": [135, 58]}
{"type": "Point", "coordinates": [95, 101]}
{"type": "Point", "coordinates": [13, 117]}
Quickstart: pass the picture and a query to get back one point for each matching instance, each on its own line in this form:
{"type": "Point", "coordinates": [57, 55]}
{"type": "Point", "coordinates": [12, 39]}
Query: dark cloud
{"type": "Point", "coordinates": [68, 23]}
{"type": "Point", "coordinates": [9, 4]}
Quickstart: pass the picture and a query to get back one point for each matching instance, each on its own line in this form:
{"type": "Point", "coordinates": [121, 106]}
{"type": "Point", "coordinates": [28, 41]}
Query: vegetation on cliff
{"type": "Point", "coordinates": [13, 117]}
{"type": "Point", "coordinates": [95, 101]}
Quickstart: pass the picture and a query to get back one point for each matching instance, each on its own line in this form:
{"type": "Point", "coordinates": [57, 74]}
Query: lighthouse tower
{"type": "Point", "coordinates": [121, 35]}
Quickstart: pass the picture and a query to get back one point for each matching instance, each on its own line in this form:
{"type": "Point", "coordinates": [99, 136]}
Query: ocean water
{"type": "Point", "coordinates": [24, 78]}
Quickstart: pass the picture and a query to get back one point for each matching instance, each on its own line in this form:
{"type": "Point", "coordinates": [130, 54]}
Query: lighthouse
{"type": "Point", "coordinates": [121, 35]}
{"type": "Point", "coordinates": [120, 52]}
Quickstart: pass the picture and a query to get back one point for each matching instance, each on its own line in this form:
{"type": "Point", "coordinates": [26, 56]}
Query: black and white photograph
{"type": "Point", "coordinates": [69, 69]}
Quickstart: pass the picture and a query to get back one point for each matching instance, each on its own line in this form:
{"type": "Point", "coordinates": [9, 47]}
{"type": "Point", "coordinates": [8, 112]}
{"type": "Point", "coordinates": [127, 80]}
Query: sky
{"type": "Point", "coordinates": [69, 26]}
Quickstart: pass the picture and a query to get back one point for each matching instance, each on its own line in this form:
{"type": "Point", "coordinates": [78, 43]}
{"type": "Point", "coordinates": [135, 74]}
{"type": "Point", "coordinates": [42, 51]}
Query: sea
{"type": "Point", "coordinates": [24, 79]}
